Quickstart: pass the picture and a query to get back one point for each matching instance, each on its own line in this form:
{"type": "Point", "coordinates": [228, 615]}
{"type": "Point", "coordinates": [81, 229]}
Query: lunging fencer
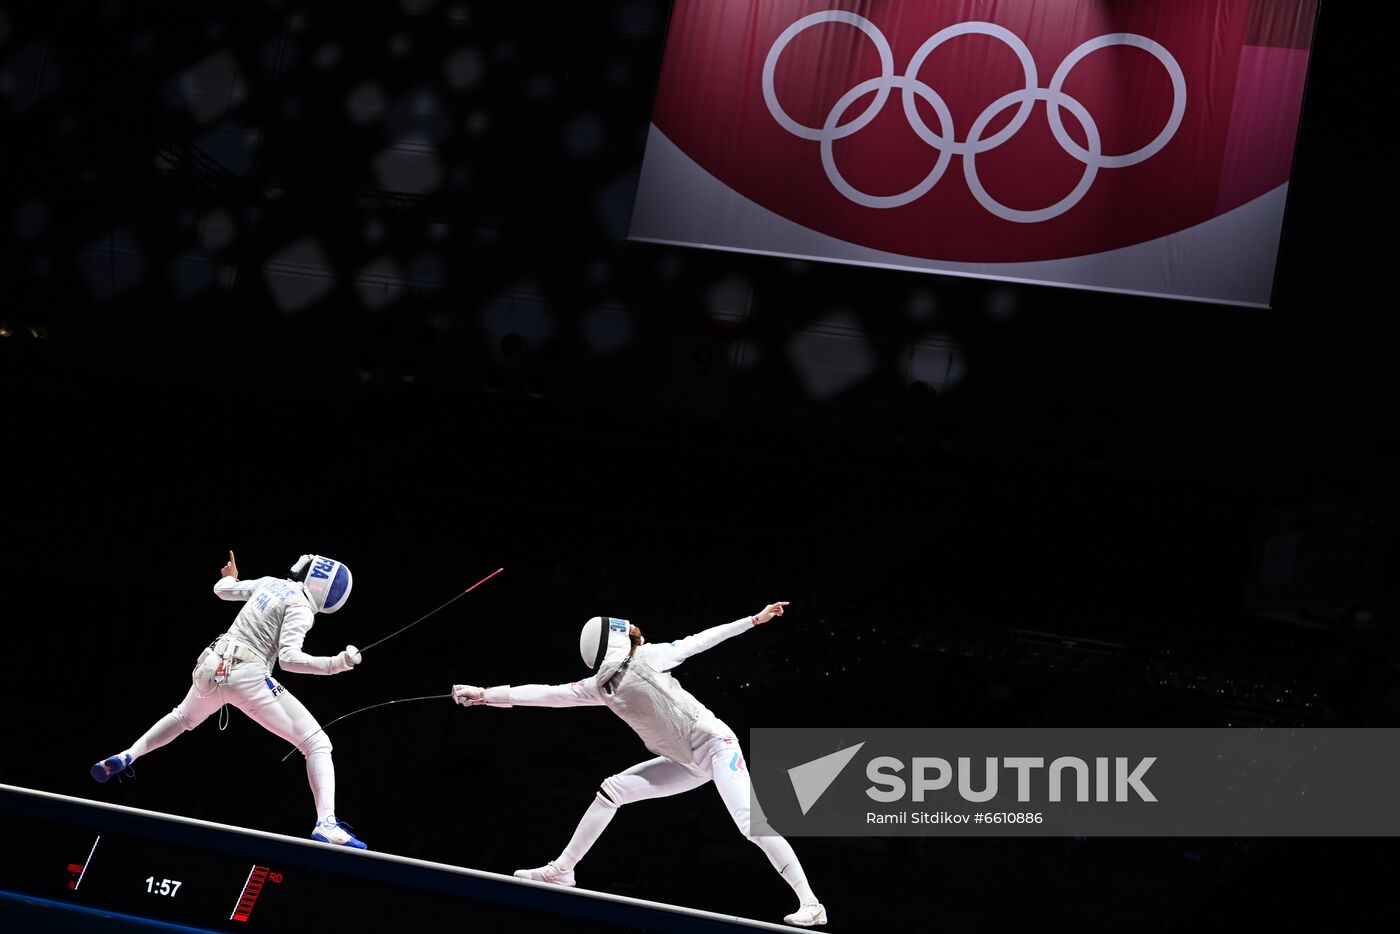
{"type": "Point", "coordinates": [236, 669]}
{"type": "Point", "coordinates": [632, 678]}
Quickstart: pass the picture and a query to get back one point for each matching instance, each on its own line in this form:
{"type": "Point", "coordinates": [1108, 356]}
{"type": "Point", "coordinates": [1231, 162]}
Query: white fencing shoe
{"type": "Point", "coordinates": [547, 873]}
{"type": "Point", "coordinates": [807, 916]}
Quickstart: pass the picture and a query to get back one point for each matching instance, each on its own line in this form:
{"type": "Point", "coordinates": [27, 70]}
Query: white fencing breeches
{"type": "Point", "coordinates": [661, 777]}
{"type": "Point", "coordinates": [252, 689]}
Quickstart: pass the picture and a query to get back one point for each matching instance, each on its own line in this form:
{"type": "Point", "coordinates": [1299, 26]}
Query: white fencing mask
{"type": "Point", "coordinates": [604, 643]}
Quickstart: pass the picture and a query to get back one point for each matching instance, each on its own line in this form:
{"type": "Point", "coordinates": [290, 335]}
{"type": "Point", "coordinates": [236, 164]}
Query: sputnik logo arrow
{"type": "Point", "coordinates": [810, 780]}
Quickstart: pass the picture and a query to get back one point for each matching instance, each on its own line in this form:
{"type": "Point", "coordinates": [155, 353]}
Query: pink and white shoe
{"type": "Point", "coordinates": [547, 873]}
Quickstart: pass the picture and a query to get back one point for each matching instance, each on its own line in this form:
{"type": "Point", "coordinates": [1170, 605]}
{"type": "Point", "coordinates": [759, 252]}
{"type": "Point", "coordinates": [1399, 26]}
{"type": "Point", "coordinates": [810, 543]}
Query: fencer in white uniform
{"type": "Point", "coordinates": [692, 746]}
{"type": "Point", "coordinates": [236, 669]}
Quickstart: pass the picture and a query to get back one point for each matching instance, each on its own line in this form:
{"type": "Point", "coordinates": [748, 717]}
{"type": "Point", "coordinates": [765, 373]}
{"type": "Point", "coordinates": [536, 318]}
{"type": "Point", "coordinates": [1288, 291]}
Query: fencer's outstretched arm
{"type": "Point", "coordinates": [578, 694]}
{"type": "Point", "coordinates": [585, 693]}
{"type": "Point", "coordinates": [665, 656]}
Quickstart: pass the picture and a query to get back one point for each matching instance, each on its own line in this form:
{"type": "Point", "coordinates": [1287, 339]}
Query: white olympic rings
{"type": "Point", "coordinates": [946, 142]}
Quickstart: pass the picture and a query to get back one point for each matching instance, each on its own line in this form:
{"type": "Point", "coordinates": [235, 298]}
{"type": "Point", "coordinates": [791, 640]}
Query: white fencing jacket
{"type": "Point", "coordinates": [274, 622]}
{"type": "Point", "coordinates": [642, 692]}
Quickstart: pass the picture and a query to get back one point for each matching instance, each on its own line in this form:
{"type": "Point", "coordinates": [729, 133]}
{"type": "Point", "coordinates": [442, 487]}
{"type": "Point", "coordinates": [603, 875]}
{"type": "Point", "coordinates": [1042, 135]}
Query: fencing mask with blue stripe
{"type": "Point", "coordinates": [326, 581]}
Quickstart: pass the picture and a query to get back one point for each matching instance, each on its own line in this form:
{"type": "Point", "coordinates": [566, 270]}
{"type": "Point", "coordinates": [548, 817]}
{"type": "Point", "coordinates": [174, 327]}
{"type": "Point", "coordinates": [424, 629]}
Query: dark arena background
{"type": "Point", "coordinates": [352, 278]}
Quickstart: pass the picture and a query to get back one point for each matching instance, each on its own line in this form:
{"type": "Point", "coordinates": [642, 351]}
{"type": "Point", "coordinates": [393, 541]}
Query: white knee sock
{"type": "Point", "coordinates": [595, 821]}
{"type": "Point", "coordinates": [320, 771]}
{"type": "Point", "coordinates": [165, 729]}
{"type": "Point", "coordinates": [781, 855]}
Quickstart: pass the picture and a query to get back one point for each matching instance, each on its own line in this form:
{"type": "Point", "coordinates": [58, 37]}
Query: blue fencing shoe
{"type": "Point", "coordinates": [338, 832]}
{"type": "Point", "coordinates": [113, 765]}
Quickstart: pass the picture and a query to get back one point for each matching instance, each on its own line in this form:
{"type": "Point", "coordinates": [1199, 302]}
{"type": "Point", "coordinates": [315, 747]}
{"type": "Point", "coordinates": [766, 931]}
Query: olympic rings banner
{"type": "Point", "coordinates": [1138, 146]}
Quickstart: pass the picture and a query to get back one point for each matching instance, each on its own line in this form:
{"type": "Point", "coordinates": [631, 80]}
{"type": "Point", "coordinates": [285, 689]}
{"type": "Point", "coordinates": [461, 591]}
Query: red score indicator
{"type": "Point", "coordinates": [258, 876]}
{"type": "Point", "coordinates": [76, 872]}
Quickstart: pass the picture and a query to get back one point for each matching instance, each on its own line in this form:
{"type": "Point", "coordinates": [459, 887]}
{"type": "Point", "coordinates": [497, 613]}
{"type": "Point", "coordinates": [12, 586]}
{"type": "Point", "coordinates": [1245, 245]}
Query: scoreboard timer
{"type": "Point", "coordinates": [71, 856]}
{"type": "Point", "coordinates": [143, 877]}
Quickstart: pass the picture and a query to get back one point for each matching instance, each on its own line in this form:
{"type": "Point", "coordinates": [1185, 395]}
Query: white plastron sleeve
{"type": "Point", "coordinates": [667, 655]}
{"type": "Point", "coordinates": [578, 694]}
{"type": "Point", "coordinates": [296, 622]}
{"type": "Point", "coordinates": [231, 588]}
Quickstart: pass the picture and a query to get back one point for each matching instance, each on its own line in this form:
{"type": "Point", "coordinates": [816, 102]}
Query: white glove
{"type": "Point", "coordinates": [468, 695]}
{"type": "Point", "coordinates": [347, 659]}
